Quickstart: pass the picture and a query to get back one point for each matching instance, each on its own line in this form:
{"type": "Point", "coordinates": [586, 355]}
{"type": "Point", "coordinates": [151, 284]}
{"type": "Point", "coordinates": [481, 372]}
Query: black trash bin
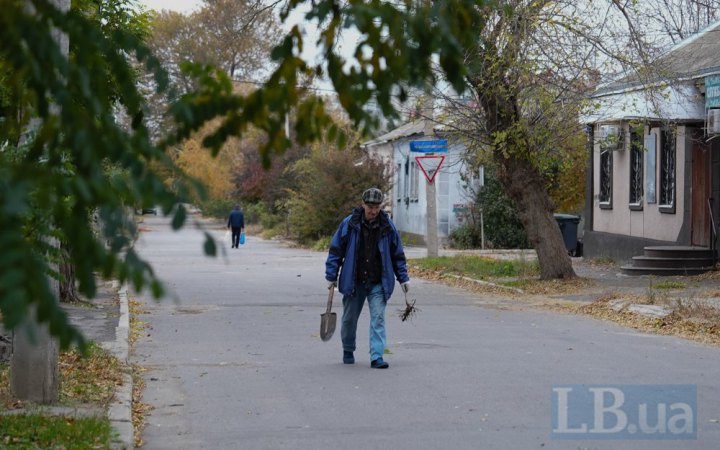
{"type": "Point", "coordinates": [568, 227]}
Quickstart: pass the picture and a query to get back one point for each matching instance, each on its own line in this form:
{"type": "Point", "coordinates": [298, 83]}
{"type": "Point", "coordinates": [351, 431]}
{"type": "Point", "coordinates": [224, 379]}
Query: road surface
{"type": "Point", "coordinates": [234, 361]}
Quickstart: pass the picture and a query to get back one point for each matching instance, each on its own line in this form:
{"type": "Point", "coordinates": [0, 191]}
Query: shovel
{"type": "Point", "coordinates": [328, 319]}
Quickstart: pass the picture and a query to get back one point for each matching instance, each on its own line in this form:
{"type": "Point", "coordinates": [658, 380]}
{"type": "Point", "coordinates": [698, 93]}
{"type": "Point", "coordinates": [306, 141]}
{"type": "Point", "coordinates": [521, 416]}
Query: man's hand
{"type": "Point", "coordinates": [405, 286]}
{"type": "Point", "coordinates": [331, 285]}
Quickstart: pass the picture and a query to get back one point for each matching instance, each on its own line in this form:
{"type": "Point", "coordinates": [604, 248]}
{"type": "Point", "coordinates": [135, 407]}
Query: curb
{"type": "Point", "coordinates": [120, 409]}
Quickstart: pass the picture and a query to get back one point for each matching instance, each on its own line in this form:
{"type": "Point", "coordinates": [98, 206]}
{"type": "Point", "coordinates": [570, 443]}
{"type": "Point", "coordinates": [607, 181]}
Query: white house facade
{"type": "Point", "coordinates": [407, 201]}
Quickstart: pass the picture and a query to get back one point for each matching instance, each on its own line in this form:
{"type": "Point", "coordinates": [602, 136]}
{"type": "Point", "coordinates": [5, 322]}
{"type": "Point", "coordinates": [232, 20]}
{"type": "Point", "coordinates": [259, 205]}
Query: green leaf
{"type": "Point", "coordinates": [210, 246]}
{"type": "Point", "coordinates": [179, 217]}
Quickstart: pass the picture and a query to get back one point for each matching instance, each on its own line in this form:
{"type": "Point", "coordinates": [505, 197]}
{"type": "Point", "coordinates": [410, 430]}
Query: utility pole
{"type": "Point", "coordinates": [431, 237]}
{"type": "Point", "coordinates": [34, 364]}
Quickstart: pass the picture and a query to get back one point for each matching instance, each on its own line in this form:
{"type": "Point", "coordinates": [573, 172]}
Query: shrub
{"type": "Point", "coordinates": [466, 236]}
{"type": "Point", "coordinates": [330, 184]}
{"type": "Point", "coordinates": [503, 228]}
{"type": "Point", "coordinates": [219, 208]}
{"type": "Point", "coordinates": [254, 212]}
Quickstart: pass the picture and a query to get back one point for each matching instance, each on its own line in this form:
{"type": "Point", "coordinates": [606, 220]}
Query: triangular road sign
{"type": "Point", "coordinates": [430, 165]}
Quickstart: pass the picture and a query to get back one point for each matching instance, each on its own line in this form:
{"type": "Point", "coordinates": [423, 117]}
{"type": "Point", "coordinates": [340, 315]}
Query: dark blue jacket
{"type": "Point", "coordinates": [237, 219]}
{"type": "Point", "coordinates": [343, 253]}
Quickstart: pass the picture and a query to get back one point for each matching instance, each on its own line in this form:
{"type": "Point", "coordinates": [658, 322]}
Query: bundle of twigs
{"type": "Point", "coordinates": [409, 311]}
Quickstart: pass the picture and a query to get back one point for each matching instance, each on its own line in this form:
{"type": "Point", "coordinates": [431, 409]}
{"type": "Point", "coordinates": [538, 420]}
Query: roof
{"type": "Point", "coordinates": [695, 57]}
{"type": "Point", "coordinates": [416, 127]}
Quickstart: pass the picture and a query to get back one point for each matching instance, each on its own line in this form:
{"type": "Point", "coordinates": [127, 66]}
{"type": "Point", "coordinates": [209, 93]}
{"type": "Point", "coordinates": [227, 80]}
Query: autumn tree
{"type": "Point", "coordinates": [327, 183]}
{"type": "Point", "coordinates": [233, 35]}
{"type": "Point", "coordinates": [215, 172]}
{"type": "Point", "coordinates": [237, 36]}
{"type": "Point", "coordinates": [528, 74]}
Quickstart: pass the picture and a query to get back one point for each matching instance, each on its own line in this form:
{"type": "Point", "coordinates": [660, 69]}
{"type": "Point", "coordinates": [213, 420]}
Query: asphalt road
{"type": "Point", "coordinates": [234, 361]}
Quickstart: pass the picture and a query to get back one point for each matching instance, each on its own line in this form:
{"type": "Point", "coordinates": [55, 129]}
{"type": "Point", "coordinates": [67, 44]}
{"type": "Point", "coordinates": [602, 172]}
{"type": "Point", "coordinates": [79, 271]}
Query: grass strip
{"type": "Point", "coordinates": [478, 267]}
{"type": "Point", "coordinates": [35, 431]}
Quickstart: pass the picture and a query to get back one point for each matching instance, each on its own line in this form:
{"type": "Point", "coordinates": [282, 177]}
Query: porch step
{"type": "Point", "coordinates": [678, 251]}
{"type": "Point", "coordinates": [664, 271]}
{"type": "Point", "coordinates": [671, 263]}
{"type": "Point", "coordinates": [671, 260]}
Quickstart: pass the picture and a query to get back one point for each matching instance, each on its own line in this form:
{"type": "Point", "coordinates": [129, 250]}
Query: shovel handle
{"type": "Point", "coordinates": [330, 296]}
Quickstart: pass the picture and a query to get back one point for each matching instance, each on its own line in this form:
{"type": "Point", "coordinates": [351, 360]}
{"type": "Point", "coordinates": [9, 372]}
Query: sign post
{"type": "Point", "coordinates": [430, 164]}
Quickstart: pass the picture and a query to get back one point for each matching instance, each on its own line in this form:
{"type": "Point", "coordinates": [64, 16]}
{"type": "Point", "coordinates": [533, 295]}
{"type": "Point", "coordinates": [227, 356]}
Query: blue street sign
{"type": "Point", "coordinates": [437, 146]}
{"type": "Point", "coordinates": [712, 92]}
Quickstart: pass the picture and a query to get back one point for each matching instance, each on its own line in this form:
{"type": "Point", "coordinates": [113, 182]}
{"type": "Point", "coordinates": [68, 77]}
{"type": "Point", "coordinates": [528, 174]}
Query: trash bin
{"type": "Point", "coordinates": [568, 227]}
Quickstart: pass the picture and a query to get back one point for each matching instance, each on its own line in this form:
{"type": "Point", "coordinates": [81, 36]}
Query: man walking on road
{"type": "Point", "coordinates": [368, 248]}
{"type": "Point", "coordinates": [236, 222]}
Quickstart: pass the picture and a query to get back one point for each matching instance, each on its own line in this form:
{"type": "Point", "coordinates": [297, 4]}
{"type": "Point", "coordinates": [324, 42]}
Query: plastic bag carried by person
{"type": "Point", "coordinates": [242, 238]}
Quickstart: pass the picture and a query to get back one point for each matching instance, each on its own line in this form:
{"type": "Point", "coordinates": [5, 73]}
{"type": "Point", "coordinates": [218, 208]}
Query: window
{"type": "Point", "coordinates": [606, 166]}
{"type": "Point", "coordinates": [636, 168]}
{"type": "Point", "coordinates": [666, 189]}
{"type": "Point", "coordinates": [405, 174]}
{"type": "Point", "coordinates": [399, 182]}
{"type": "Point", "coordinates": [414, 175]}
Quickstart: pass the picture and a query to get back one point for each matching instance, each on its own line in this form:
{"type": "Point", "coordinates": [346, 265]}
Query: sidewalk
{"type": "Point", "coordinates": [106, 321]}
{"type": "Point", "coordinates": [608, 280]}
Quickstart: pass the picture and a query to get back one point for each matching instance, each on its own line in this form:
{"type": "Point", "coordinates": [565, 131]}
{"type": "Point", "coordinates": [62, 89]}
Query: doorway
{"type": "Point", "coordinates": [700, 188]}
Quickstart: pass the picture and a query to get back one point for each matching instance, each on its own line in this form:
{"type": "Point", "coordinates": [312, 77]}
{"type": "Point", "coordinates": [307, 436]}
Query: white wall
{"type": "Point", "coordinates": [409, 212]}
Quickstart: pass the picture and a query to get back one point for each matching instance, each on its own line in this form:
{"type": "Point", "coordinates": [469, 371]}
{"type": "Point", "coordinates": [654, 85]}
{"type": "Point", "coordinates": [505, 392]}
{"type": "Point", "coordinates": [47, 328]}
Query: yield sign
{"type": "Point", "coordinates": [430, 165]}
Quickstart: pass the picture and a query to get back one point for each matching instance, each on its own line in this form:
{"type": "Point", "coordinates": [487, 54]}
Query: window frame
{"type": "Point", "coordinates": [414, 181]}
{"type": "Point", "coordinates": [667, 170]}
{"type": "Point", "coordinates": [605, 175]}
{"type": "Point", "coordinates": [636, 192]}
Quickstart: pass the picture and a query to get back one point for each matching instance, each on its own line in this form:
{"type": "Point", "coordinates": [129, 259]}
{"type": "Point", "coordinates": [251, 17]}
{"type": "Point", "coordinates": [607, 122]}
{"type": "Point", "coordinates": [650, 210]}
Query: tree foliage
{"type": "Point", "coordinates": [235, 36]}
{"type": "Point", "coordinates": [330, 182]}
{"type": "Point", "coordinates": [68, 170]}
{"type": "Point", "coordinates": [215, 173]}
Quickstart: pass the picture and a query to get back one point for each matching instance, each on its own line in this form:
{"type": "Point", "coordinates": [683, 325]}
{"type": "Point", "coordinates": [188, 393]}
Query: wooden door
{"type": "Point", "coordinates": [701, 185]}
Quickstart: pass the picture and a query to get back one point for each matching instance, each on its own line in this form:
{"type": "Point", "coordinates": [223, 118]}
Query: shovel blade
{"type": "Point", "coordinates": [327, 325]}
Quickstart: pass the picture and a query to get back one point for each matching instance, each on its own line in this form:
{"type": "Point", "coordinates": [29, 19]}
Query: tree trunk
{"type": "Point", "coordinates": [522, 181]}
{"type": "Point", "coordinates": [68, 290]}
{"type": "Point", "coordinates": [525, 186]}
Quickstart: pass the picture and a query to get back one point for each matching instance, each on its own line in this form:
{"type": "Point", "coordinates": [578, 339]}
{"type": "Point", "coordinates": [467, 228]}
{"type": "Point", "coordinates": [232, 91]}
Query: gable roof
{"type": "Point", "coordinates": [416, 127]}
{"type": "Point", "coordinates": [695, 57]}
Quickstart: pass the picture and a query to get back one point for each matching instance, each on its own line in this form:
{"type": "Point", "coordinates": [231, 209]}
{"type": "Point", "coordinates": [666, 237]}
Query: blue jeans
{"type": "Point", "coordinates": [352, 307]}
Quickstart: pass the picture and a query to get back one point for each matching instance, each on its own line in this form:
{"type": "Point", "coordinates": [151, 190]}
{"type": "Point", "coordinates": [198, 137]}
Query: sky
{"type": "Point", "coordinates": [183, 6]}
